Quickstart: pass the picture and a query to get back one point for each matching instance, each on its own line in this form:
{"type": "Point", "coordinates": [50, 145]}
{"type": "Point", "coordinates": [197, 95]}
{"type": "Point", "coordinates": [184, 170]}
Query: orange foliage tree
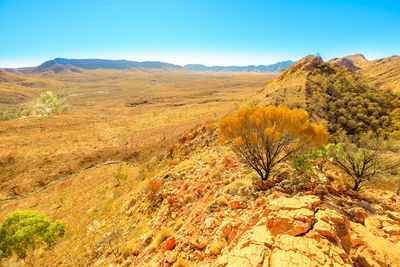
{"type": "Point", "coordinates": [263, 137]}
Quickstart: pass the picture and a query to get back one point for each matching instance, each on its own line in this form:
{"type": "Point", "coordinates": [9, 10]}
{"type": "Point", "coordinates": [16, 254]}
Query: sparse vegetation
{"type": "Point", "coordinates": [360, 164]}
{"type": "Point", "coordinates": [163, 235]}
{"type": "Point", "coordinates": [119, 175]}
{"type": "Point", "coordinates": [154, 187]}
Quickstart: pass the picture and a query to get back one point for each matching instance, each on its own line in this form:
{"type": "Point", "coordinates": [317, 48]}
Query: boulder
{"type": "Point", "coordinates": [339, 227]}
{"type": "Point", "coordinates": [251, 250]}
{"type": "Point", "coordinates": [197, 242]}
{"type": "Point", "coordinates": [392, 229]}
{"type": "Point", "coordinates": [235, 204]}
{"type": "Point", "coordinates": [291, 222]}
{"type": "Point", "coordinates": [225, 229]}
{"type": "Point", "coordinates": [372, 222]}
{"type": "Point", "coordinates": [376, 251]}
{"type": "Point", "coordinates": [169, 244]}
{"type": "Point", "coordinates": [303, 202]}
{"type": "Point", "coordinates": [300, 251]}
{"type": "Point", "coordinates": [358, 214]}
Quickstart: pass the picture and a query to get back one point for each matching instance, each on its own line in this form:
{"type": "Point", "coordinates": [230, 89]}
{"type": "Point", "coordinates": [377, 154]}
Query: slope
{"type": "Point", "coordinates": [16, 89]}
{"type": "Point", "coordinates": [342, 99]}
{"type": "Point", "coordinates": [208, 211]}
{"type": "Point", "coordinates": [383, 73]}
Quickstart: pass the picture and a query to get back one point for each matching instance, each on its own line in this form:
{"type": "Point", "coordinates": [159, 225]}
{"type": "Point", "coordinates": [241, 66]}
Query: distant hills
{"type": "Point", "coordinates": [251, 68]}
{"type": "Point", "coordinates": [76, 65]}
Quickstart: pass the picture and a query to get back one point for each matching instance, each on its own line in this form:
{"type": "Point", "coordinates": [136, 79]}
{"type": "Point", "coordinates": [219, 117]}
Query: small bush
{"type": "Point", "coordinates": [154, 187]}
{"type": "Point", "coordinates": [222, 201]}
{"type": "Point", "coordinates": [163, 235]}
{"type": "Point", "coordinates": [303, 164]}
{"type": "Point", "coordinates": [187, 198]}
{"type": "Point", "coordinates": [217, 246]}
{"type": "Point", "coordinates": [180, 263]}
{"type": "Point", "coordinates": [119, 175]}
{"type": "Point", "coordinates": [360, 164]}
{"type": "Point", "coordinates": [233, 188]}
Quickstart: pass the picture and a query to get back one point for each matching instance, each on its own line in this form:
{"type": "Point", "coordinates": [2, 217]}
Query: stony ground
{"type": "Point", "coordinates": [211, 214]}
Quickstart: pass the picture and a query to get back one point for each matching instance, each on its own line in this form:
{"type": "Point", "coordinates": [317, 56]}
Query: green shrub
{"type": "Point", "coordinates": [24, 233]}
{"type": "Point", "coordinates": [119, 175]}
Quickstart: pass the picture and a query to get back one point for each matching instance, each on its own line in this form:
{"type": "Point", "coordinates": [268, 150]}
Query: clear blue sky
{"type": "Point", "coordinates": [195, 31]}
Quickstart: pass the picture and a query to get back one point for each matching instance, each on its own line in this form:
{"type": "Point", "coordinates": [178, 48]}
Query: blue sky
{"type": "Point", "coordinates": [208, 32]}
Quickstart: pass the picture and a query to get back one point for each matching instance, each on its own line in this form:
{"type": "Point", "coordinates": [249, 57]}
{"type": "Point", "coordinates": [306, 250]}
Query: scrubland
{"type": "Point", "coordinates": [110, 115]}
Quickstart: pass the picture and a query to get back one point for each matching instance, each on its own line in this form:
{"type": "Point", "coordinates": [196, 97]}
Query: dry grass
{"type": "Point", "coordinates": [234, 187]}
{"type": "Point", "coordinates": [114, 115]}
{"type": "Point", "coordinates": [384, 73]}
{"type": "Point", "coordinates": [163, 235]}
{"type": "Point", "coordinates": [222, 201]}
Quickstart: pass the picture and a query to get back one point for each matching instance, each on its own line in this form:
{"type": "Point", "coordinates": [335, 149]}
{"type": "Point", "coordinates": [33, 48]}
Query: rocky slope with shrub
{"type": "Point", "coordinates": [214, 214]}
{"type": "Point", "coordinates": [197, 205]}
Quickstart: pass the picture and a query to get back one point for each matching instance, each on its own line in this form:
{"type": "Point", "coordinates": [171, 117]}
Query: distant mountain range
{"type": "Point", "coordinates": [75, 65]}
{"type": "Point", "coordinates": [260, 68]}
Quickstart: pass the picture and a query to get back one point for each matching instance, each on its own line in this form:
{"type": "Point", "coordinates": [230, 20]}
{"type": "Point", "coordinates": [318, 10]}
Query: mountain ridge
{"type": "Point", "coordinates": [75, 65]}
{"type": "Point", "coordinates": [249, 68]}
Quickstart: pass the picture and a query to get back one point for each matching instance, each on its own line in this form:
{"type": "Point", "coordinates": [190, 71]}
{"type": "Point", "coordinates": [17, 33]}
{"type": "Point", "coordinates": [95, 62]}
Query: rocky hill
{"type": "Point", "coordinates": [292, 86]}
{"type": "Point", "coordinates": [330, 91]}
{"type": "Point", "coordinates": [383, 73]}
{"type": "Point", "coordinates": [356, 59]}
{"type": "Point", "coordinates": [345, 63]}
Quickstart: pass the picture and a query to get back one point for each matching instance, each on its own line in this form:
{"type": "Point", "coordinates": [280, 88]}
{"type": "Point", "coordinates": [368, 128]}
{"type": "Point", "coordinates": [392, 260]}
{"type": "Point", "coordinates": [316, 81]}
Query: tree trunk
{"type": "Point", "coordinates": [266, 176]}
{"type": "Point", "coordinates": [356, 186]}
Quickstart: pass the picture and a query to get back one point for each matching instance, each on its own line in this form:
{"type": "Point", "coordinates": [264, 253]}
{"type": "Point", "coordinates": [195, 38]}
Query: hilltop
{"type": "Point", "coordinates": [357, 59]}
